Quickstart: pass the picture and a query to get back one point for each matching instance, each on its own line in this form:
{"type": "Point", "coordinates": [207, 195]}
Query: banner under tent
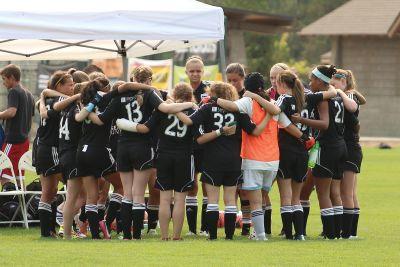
{"type": "Point", "coordinates": [94, 29]}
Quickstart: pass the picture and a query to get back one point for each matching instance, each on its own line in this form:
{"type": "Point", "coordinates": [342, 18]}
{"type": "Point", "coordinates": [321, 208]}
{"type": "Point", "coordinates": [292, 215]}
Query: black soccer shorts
{"type": "Point", "coordinates": [354, 157]}
{"type": "Point", "coordinates": [330, 162]}
{"type": "Point", "coordinates": [175, 171]}
{"type": "Point", "coordinates": [68, 164]}
{"type": "Point", "coordinates": [94, 161]}
{"type": "Point", "coordinates": [47, 161]}
{"type": "Point", "coordinates": [138, 156]}
{"type": "Point", "coordinates": [293, 165]}
{"type": "Point", "coordinates": [222, 178]}
{"type": "Point", "coordinates": [198, 154]}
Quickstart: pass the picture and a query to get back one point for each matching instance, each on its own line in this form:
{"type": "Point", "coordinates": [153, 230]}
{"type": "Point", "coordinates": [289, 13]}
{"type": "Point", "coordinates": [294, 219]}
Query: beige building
{"type": "Point", "coordinates": [365, 39]}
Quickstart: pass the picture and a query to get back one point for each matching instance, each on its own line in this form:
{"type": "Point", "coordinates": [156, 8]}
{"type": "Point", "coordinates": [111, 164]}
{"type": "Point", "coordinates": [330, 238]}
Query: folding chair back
{"type": "Point", "coordinates": [5, 163]}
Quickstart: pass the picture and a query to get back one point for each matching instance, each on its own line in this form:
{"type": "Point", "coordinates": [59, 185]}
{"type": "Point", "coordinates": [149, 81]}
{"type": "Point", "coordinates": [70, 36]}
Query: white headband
{"type": "Point", "coordinates": [321, 76]}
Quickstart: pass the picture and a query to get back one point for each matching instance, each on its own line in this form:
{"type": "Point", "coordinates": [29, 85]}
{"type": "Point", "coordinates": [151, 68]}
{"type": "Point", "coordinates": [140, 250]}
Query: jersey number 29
{"type": "Point", "coordinates": [176, 128]}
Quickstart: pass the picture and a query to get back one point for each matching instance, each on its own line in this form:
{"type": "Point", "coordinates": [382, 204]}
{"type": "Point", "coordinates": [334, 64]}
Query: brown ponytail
{"type": "Point", "coordinates": [293, 82]}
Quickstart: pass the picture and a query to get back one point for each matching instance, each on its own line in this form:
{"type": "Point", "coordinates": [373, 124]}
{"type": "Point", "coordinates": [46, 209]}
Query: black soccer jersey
{"type": "Point", "coordinates": [200, 92]}
{"type": "Point", "coordinates": [351, 122]}
{"type": "Point", "coordinates": [287, 104]}
{"type": "Point", "coordinates": [173, 135]}
{"type": "Point", "coordinates": [114, 133]}
{"type": "Point", "coordinates": [93, 134]}
{"type": "Point", "coordinates": [48, 128]}
{"type": "Point", "coordinates": [127, 106]}
{"type": "Point", "coordinates": [334, 134]}
{"type": "Point", "coordinates": [241, 93]}
{"type": "Point", "coordinates": [70, 130]}
{"type": "Point", "coordinates": [223, 153]}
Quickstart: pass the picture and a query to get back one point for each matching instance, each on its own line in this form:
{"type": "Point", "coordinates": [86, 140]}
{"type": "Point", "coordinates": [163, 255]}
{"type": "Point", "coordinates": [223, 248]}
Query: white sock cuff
{"type": "Point", "coordinates": [212, 207]}
{"type": "Point", "coordinates": [231, 209]}
{"type": "Point", "coordinates": [297, 208]}
{"type": "Point", "coordinates": [286, 209]}
{"type": "Point", "coordinates": [327, 212]}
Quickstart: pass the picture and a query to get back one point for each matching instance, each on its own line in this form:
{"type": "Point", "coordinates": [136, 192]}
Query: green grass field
{"type": "Point", "coordinates": [379, 242]}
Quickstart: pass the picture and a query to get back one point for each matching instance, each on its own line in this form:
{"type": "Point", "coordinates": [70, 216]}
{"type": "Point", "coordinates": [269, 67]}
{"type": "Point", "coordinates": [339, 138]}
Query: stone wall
{"type": "Point", "coordinates": [375, 62]}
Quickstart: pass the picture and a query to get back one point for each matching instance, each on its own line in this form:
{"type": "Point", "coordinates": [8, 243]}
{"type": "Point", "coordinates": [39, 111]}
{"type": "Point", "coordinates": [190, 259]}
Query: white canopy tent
{"type": "Point", "coordinates": [97, 29]}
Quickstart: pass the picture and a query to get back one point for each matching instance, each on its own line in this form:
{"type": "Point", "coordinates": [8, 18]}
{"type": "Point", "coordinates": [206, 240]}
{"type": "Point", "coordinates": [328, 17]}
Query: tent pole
{"type": "Point", "coordinates": [222, 58]}
{"type": "Point", "coordinates": [125, 64]}
{"type": "Point", "coordinates": [125, 67]}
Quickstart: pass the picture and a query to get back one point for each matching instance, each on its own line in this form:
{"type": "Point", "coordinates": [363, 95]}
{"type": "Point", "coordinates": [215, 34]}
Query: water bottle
{"type": "Point", "coordinates": [313, 154]}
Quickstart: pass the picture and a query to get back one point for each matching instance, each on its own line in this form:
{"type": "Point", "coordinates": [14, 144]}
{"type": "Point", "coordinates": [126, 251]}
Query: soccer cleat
{"type": "Point", "coordinates": [104, 229]}
{"type": "Point", "coordinates": [61, 231]}
{"type": "Point", "coordinates": [299, 237]}
{"type": "Point", "coordinates": [152, 232]}
{"type": "Point", "coordinates": [203, 233]}
{"type": "Point", "coordinates": [83, 227]}
{"type": "Point", "coordinates": [78, 235]}
{"type": "Point", "coordinates": [177, 239]}
{"type": "Point", "coordinates": [282, 233]}
{"type": "Point", "coordinates": [252, 235]}
{"type": "Point", "coordinates": [353, 237]}
{"type": "Point", "coordinates": [191, 233]}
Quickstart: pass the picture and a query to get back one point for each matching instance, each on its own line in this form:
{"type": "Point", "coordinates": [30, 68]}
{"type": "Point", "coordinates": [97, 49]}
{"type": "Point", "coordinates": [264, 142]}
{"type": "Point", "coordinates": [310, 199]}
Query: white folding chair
{"type": "Point", "coordinates": [5, 163]}
{"type": "Point", "coordinates": [25, 163]}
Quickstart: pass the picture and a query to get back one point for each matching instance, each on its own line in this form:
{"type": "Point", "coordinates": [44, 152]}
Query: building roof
{"type": "Point", "coordinates": [257, 21]}
{"type": "Point", "coordinates": [359, 17]}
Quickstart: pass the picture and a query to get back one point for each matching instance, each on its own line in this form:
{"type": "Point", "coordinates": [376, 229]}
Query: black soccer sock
{"type": "Point", "coordinates": [138, 210]}
{"type": "Point", "coordinates": [191, 213]}
{"type": "Point", "coordinates": [267, 219]}
{"type": "Point", "coordinates": [286, 215]}
{"type": "Point", "coordinates": [306, 211]}
{"type": "Point", "coordinates": [338, 219]}
{"type": "Point", "coordinates": [45, 214]}
{"type": "Point", "coordinates": [82, 216]}
{"type": "Point", "coordinates": [298, 220]}
{"type": "Point", "coordinates": [246, 216]}
{"type": "Point", "coordinates": [101, 209]}
{"type": "Point", "coordinates": [212, 216]}
{"type": "Point", "coordinates": [356, 216]}
{"type": "Point", "coordinates": [327, 217]}
{"type": "Point", "coordinates": [53, 222]}
{"type": "Point", "coordinates": [230, 221]}
{"type": "Point", "coordinates": [126, 218]}
{"type": "Point", "coordinates": [347, 222]}
{"type": "Point", "coordinates": [203, 226]}
{"type": "Point", "coordinates": [113, 207]}
{"type": "Point", "coordinates": [93, 218]}
{"type": "Point", "coordinates": [152, 216]}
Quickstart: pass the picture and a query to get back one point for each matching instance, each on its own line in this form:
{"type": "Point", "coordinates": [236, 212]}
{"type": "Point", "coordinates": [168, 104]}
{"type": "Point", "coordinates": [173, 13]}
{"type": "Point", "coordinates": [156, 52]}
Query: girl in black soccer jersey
{"type": "Point", "coordinates": [222, 166]}
{"type": "Point", "coordinates": [235, 74]}
{"type": "Point", "coordinates": [175, 166]}
{"type": "Point", "coordinates": [69, 135]}
{"type": "Point", "coordinates": [195, 71]}
{"type": "Point", "coordinates": [135, 153]}
{"type": "Point", "coordinates": [93, 158]}
{"type": "Point", "coordinates": [293, 153]}
{"type": "Point", "coordinates": [344, 80]}
{"type": "Point", "coordinates": [332, 152]}
{"type": "Point", "coordinates": [46, 154]}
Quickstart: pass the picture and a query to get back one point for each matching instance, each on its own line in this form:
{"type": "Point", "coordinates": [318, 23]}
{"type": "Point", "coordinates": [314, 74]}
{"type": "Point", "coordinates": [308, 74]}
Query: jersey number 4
{"type": "Point", "coordinates": [134, 113]}
{"type": "Point", "coordinates": [64, 129]}
{"type": "Point", "coordinates": [176, 128]}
